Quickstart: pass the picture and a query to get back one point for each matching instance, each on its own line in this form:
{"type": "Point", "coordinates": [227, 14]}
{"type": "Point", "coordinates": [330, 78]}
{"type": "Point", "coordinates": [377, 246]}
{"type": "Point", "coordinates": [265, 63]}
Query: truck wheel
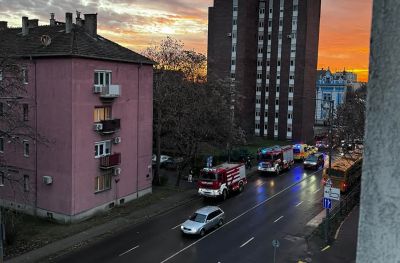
{"type": "Point", "coordinates": [224, 194]}
{"type": "Point", "coordinates": [241, 187]}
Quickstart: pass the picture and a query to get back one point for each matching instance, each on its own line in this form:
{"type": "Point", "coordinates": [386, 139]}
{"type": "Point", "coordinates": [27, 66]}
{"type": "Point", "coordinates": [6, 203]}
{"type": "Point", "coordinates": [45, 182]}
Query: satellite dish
{"type": "Point", "coordinates": [46, 40]}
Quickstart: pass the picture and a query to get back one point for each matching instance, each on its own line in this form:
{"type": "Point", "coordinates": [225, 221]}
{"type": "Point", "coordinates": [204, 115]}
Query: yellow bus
{"type": "Point", "coordinates": [344, 172]}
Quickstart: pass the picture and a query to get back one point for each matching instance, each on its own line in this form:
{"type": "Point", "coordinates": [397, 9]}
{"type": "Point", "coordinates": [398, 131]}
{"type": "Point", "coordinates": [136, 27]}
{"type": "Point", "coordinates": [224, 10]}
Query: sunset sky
{"type": "Point", "coordinates": [136, 24]}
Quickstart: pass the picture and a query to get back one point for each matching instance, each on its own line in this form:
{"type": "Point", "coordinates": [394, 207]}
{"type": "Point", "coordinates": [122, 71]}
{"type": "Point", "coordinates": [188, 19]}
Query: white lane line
{"type": "Point", "coordinates": [176, 226]}
{"type": "Point", "coordinates": [316, 191]}
{"type": "Point", "coordinates": [299, 203]}
{"type": "Point", "coordinates": [248, 241]}
{"type": "Point", "coordinates": [279, 218]}
{"type": "Point", "coordinates": [242, 214]}
{"type": "Point", "coordinates": [128, 251]}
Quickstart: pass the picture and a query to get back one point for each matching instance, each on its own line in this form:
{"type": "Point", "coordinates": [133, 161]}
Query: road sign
{"type": "Point", "coordinates": [328, 182]}
{"type": "Point", "coordinates": [327, 203]}
{"type": "Point", "coordinates": [275, 243]}
{"type": "Point", "coordinates": [332, 193]}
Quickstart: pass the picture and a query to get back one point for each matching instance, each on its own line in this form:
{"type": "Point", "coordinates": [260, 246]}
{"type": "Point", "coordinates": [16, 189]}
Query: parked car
{"type": "Point", "coordinates": [171, 163]}
{"type": "Point", "coordinates": [163, 158]}
{"type": "Point", "coordinates": [314, 161]}
{"type": "Point", "coordinates": [203, 220]}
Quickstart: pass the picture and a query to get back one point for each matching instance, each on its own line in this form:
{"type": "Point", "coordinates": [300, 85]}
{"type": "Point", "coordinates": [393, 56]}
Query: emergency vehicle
{"type": "Point", "coordinates": [275, 159]}
{"type": "Point", "coordinates": [302, 151]}
{"type": "Point", "coordinates": [220, 180]}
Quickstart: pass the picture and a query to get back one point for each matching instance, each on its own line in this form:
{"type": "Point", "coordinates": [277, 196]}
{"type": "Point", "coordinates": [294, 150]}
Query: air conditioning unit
{"type": "Point", "coordinates": [98, 126]}
{"type": "Point", "coordinates": [117, 171]}
{"type": "Point", "coordinates": [97, 88]}
{"type": "Point", "coordinates": [117, 140]}
{"type": "Point", "coordinates": [47, 179]}
{"type": "Point", "coordinates": [229, 34]}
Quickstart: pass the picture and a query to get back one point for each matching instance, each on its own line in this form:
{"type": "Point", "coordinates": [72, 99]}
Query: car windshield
{"type": "Point", "coordinates": [208, 176]}
{"type": "Point", "coordinates": [200, 218]}
{"type": "Point", "coordinates": [266, 157]}
{"type": "Point", "coordinates": [295, 150]}
{"type": "Point", "coordinates": [311, 158]}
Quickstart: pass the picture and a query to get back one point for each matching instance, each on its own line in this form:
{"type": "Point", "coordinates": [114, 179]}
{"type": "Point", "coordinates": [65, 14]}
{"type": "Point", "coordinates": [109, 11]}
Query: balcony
{"type": "Point", "coordinates": [107, 91]}
{"type": "Point", "coordinates": [110, 161]}
{"type": "Point", "coordinates": [107, 126]}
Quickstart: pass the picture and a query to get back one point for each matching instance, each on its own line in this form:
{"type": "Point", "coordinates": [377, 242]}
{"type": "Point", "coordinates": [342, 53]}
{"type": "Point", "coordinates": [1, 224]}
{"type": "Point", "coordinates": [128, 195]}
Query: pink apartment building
{"type": "Point", "coordinates": [91, 99]}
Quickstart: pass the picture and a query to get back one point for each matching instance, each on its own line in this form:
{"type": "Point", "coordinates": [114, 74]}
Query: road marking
{"type": "Point", "coordinates": [325, 248]}
{"type": "Point", "coordinates": [242, 214]}
{"type": "Point", "coordinates": [128, 251]}
{"type": "Point", "coordinates": [316, 191]}
{"type": "Point", "coordinates": [279, 218]}
{"type": "Point", "coordinates": [176, 226]}
{"type": "Point", "coordinates": [248, 241]}
{"type": "Point", "coordinates": [299, 203]}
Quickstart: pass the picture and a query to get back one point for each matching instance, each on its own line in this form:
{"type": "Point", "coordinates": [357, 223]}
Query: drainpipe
{"type": "Point", "coordinates": [137, 131]}
{"type": "Point", "coordinates": [36, 142]}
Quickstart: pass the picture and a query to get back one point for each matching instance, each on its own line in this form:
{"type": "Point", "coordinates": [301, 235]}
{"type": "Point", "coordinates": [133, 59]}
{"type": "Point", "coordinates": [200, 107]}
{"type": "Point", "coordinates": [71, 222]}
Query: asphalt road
{"type": "Point", "coordinates": [269, 208]}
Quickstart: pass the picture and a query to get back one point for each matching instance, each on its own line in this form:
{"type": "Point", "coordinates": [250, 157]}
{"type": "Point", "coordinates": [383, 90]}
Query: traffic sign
{"type": "Point", "coordinates": [327, 203]}
{"type": "Point", "coordinates": [328, 182]}
{"type": "Point", "coordinates": [275, 243]}
{"type": "Point", "coordinates": [332, 193]}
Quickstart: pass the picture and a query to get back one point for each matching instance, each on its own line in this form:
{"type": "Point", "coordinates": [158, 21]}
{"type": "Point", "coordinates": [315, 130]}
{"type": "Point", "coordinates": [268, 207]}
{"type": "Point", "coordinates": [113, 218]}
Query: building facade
{"type": "Point", "coordinates": [91, 101]}
{"type": "Point", "coordinates": [268, 49]}
{"type": "Point", "coordinates": [331, 87]}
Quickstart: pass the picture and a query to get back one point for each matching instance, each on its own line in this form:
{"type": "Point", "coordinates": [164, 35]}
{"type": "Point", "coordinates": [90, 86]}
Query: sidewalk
{"type": "Point", "coordinates": [343, 249]}
{"type": "Point", "coordinates": [133, 217]}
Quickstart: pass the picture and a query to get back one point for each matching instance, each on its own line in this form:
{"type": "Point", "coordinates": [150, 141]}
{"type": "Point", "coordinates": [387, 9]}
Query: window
{"type": "Point", "coordinates": [259, 62]}
{"type": "Point", "coordinates": [268, 63]}
{"type": "Point", "coordinates": [295, 8]}
{"type": "Point", "coordinates": [258, 88]}
{"type": "Point", "coordinates": [102, 77]}
{"type": "Point", "coordinates": [234, 34]}
{"type": "Point", "coordinates": [292, 63]}
{"type": "Point", "coordinates": [289, 116]}
{"type": "Point", "coordinates": [26, 183]}
{"type": "Point", "coordinates": [276, 114]}
{"type": "Point", "coordinates": [102, 182]}
{"type": "Point", "coordinates": [267, 76]}
{"type": "Point", "coordinates": [262, 10]}
{"type": "Point", "coordinates": [291, 77]}
{"type": "Point", "coordinates": [278, 77]}
{"type": "Point", "coordinates": [290, 102]}
{"type": "Point", "coordinates": [265, 127]}
{"type": "Point", "coordinates": [261, 24]}
{"type": "Point", "coordinates": [266, 88]}
{"type": "Point", "coordinates": [270, 10]}
{"type": "Point", "coordinates": [258, 101]}
{"type": "Point", "coordinates": [233, 75]}
{"type": "Point", "coordinates": [290, 89]}
{"type": "Point", "coordinates": [1, 75]}
{"type": "Point", "coordinates": [257, 126]}
{"type": "Point", "coordinates": [102, 149]}
{"type": "Point", "coordinates": [234, 22]}
{"type": "Point", "coordinates": [279, 63]}
{"type": "Point", "coordinates": [259, 75]}
{"type": "Point", "coordinates": [1, 178]}
{"type": "Point", "coordinates": [269, 36]}
{"type": "Point", "coordinates": [1, 144]}
{"type": "Point", "coordinates": [233, 62]}
{"type": "Point", "coordinates": [280, 36]}
{"type": "Point", "coordinates": [102, 113]}
{"type": "Point", "coordinates": [233, 48]}
{"type": "Point", "coordinates": [257, 113]}
{"type": "Point", "coordinates": [25, 110]}
{"type": "Point", "coordinates": [1, 108]}
{"type": "Point", "coordinates": [280, 22]}
{"type": "Point", "coordinates": [277, 102]}
{"type": "Point", "coordinates": [25, 75]}
{"type": "Point", "coordinates": [289, 129]}
{"type": "Point", "coordinates": [266, 101]}
{"type": "Point", "coordinates": [26, 148]}
{"type": "Point", "coordinates": [260, 37]}
{"type": "Point", "coordinates": [276, 127]}
{"type": "Point", "coordinates": [277, 88]}
{"type": "Point", "coordinates": [269, 23]}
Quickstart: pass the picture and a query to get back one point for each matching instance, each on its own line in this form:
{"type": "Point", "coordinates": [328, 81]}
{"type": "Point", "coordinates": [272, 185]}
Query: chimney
{"type": "Point", "coordinates": [33, 23]}
{"type": "Point", "coordinates": [68, 22]}
{"type": "Point", "coordinates": [79, 20]}
{"type": "Point", "coordinates": [3, 25]}
{"type": "Point", "coordinates": [25, 28]}
{"type": "Point", "coordinates": [91, 24]}
{"type": "Point", "coordinates": [52, 20]}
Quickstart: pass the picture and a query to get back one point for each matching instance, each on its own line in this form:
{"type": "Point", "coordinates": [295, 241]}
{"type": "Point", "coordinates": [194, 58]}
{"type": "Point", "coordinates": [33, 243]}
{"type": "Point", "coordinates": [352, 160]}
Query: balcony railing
{"type": "Point", "coordinates": [110, 161]}
{"type": "Point", "coordinates": [110, 91]}
{"type": "Point", "coordinates": [109, 126]}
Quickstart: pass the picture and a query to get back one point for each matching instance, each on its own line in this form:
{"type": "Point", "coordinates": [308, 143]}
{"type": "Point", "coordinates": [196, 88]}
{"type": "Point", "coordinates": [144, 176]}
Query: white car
{"type": "Point", "coordinates": [203, 220]}
{"type": "Point", "coordinates": [163, 158]}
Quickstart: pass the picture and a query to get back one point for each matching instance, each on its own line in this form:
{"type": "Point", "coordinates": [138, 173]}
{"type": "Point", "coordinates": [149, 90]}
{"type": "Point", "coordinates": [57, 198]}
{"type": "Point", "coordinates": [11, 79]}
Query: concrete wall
{"type": "Point", "coordinates": [379, 234]}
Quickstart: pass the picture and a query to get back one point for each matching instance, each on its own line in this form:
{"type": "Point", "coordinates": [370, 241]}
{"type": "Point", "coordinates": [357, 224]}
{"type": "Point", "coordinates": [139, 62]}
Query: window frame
{"type": "Point", "coordinates": [25, 112]}
{"type": "Point", "coordinates": [106, 182]}
{"type": "Point", "coordinates": [26, 183]}
{"type": "Point", "coordinates": [103, 78]}
{"type": "Point", "coordinates": [106, 144]}
{"type": "Point", "coordinates": [1, 144]}
{"type": "Point", "coordinates": [26, 148]}
{"type": "Point", "coordinates": [2, 178]}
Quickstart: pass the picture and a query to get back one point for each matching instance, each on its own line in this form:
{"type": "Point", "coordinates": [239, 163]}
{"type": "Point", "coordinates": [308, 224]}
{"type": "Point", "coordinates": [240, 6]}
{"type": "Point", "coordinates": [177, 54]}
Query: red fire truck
{"type": "Point", "coordinates": [275, 159]}
{"type": "Point", "coordinates": [222, 179]}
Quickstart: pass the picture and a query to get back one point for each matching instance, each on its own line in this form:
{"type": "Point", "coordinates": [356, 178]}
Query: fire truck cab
{"type": "Point", "coordinates": [275, 159]}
